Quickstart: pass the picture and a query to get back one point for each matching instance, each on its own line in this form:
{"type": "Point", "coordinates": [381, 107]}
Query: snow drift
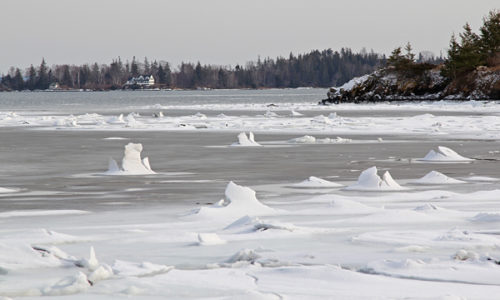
{"type": "Point", "coordinates": [132, 164]}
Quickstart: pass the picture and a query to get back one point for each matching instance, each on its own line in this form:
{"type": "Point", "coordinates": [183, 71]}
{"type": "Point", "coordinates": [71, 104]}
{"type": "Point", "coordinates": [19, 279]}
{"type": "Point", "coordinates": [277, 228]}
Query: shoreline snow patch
{"type": "Point", "coordinates": [444, 154]}
{"type": "Point", "coordinates": [370, 181]}
{"type": "Point", "coordinates": [132, 164]}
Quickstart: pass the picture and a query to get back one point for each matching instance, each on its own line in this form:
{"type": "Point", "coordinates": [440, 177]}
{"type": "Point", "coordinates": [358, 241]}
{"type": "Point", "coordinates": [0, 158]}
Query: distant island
{"type": "Point", "coordinates": [471, 71]}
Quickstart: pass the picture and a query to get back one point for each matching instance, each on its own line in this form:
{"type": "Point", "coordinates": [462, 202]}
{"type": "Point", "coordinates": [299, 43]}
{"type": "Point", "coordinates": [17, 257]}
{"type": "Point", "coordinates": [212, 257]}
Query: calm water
{"type": "Point", "coordinates": [78, 102]}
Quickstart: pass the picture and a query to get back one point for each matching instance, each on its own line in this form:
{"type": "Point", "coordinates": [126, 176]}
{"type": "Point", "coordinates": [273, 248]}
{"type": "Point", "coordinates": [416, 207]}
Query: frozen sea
{"type": "Point", "coordinates": [318, 226]}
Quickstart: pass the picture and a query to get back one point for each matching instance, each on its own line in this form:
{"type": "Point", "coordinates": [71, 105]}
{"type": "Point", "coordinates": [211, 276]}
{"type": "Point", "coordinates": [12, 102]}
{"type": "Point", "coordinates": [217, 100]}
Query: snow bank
{"type": "Point", "coordinates": [370, 181]}
{"type": "Point", "coordinates": [132, 164]}
{"type": "Point", "coordinates": [486, 217]}
{"type": "Point", "coordinates": [444, 154]}
{"type": "Point", "coordinates": [435, 177]}
{"type": "Point", "coordinates": [244, 141]}
{"type": "Point", "coordinates": [315, 182]}
{"type": "Point", "coordinates": [240, 201]}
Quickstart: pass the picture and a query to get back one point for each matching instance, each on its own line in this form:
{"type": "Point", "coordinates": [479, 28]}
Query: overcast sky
{"type": "Point", "coordinates": [222, 31]}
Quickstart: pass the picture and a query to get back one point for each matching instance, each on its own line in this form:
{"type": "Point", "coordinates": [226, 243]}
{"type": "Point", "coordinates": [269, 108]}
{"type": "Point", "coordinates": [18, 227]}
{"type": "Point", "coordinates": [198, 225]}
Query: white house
{"type": "Point", "coordinates": [141, 80]}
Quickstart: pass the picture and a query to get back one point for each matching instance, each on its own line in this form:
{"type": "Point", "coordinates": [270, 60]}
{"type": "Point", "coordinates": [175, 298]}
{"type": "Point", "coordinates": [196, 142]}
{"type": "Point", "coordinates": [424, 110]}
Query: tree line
{"type": "Point", "coordinates": [465, 55]}
{"type": "Point", "coordinates": [314, 69]}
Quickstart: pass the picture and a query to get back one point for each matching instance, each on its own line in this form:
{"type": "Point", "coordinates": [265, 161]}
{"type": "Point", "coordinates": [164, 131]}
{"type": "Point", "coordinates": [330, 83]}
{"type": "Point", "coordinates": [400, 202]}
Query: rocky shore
{"type": "Point", "coordinates": [427, 83]}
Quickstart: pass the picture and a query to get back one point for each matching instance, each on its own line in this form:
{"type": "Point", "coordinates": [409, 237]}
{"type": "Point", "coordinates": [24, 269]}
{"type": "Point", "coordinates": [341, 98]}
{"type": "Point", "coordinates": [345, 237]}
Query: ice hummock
{"type": "Point", "coordinates": [132, 164]}
{"type": "Point", "coordinates": [444, 154]}
{"type": "Point", "coordinates": [240, 201]}
{"type": "Point", "coordinates": [316, 182]}
{"type": "Point", "coordinates": [370, 181]}
{"type": "Point", "coordinates": [246, 141]}
{"type": "Point", "coordinates": [435, 177]}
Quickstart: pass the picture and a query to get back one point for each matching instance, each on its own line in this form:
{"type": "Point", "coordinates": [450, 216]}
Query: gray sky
{"type": "Point", "coordinates": [222, 31]}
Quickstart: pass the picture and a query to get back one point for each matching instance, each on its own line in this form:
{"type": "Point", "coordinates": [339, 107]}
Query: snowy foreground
{"type": "Point", "coordinates": [372, 235]}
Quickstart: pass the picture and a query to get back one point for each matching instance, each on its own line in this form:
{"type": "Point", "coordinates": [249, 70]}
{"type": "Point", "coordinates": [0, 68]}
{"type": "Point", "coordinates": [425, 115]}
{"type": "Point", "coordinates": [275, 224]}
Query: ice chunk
{"type": "Point", "coordinates": [370, 181]}
{"type": "Point", "coordinates": [435, 177]}
{"type": "Point", "coordinates": [294, 113]}
{"type": "Point", "coordinates": [244, 141]}
{"type": "Point", "coordinates": [444, 154]}
{"type": "Point", "coordinates": [315, 182]}
{"type": "Point", "coordinates": [132, 164]}
{"type": "Point", "coordinates": [125, 268]}
{"type": "Point", "coordinates": [101, 273]}
{"type": "Point", "coordinates": [91, 263]}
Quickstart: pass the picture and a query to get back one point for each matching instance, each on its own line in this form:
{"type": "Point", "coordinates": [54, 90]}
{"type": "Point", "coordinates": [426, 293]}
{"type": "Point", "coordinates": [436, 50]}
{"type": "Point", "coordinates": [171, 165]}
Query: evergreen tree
{"type": "Point", "coordinates": [31, 84]}
{"type": "Point", "coordinates": [43, 78]}
{"type": "Point", "coordinates": [18, 81]}
{"type": "Point", "coordinates": [161, 75]}
{"type": "Point", "coordinates": [134, 68]}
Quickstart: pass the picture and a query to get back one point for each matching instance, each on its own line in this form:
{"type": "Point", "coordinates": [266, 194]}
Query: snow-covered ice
{"type": "Point", "coordinates": [435, 177]}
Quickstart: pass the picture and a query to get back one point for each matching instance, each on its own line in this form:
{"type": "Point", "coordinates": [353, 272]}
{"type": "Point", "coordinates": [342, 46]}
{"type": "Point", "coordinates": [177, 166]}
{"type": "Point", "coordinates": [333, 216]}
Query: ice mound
{"type": "Point", "coordinates": [435, 177]}
{"type": "Point", "coordinates": [246, 257]}
{"type": "Point", "coordinates": [209, 239]}
{"type": "Point", "coordinates": [131, 162]}
{"type": "Point", "coordinates": [315, 182]}
{"type": "Point", "coordinates": [486, 217]}
{"type": "Point", "coordinates": [91, 263]}
{"type": "Point", "coordinates": [67, 286]}
{"type": "Point", "coordinates": [240, 200]}
{"type": "Point", "coordinates": [337, 140]}
{"type": "Point", "coordinates": [294, 113]}
{"type": "Point", "coordinates": [116, 120]}
{"type": "Point", "coordinates": [125, 268]}
{"type": "Point", "coordinates": [244, 141]}
{"type": "Point", "coordinates": [6, 190]}
{"type": "Point", "coordinates": [370, 181]}
{"type": "Point", "coordinates": [270, 114]}
{"type": "Point", "coordinates": [249, 224]}
{"type": "Point", "coordinates": [444, 154]}
{"type": "Point", "coordinates": [306, 139]}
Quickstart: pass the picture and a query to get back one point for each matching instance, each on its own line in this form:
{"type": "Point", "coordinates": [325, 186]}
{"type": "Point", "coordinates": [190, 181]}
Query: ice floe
{"type": "Point", "coordinates": [132, 164]}
{"type": "Point", "coordinates": [370, 181]}
{"type": "Point", "coordinates": [444, 154]}
{"type": "Point", "coordinates": [309, 139]}
{"type": "Point", "coordinates": [435, 177]}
